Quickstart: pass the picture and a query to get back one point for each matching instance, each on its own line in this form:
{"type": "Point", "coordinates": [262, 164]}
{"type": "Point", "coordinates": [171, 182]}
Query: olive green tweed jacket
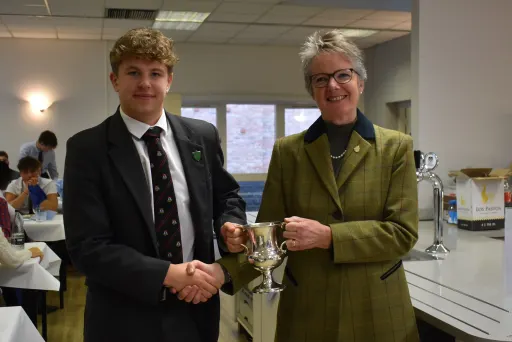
{"type": "Point", "coordinates": [357, 290]}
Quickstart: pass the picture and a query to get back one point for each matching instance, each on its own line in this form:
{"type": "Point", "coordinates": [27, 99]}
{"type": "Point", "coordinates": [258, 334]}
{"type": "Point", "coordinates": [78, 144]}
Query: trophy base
{"type": "Point", "coordinates": [274, 288]}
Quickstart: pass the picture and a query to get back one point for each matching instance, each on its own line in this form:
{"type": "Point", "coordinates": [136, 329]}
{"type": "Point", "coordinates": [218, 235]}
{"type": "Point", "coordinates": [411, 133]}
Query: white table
{"type": "Point", "coordinates": [51, 230]}
{"type": "Point", "coordinates": [465, 295]}
{"type": "Point", "coordinates": [33, 274]}
{"type": "Point", "coordinates": [15, 326]}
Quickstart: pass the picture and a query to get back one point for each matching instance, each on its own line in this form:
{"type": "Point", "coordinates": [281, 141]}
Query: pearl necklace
{"type": "Point", "coordinates": [340, 156]}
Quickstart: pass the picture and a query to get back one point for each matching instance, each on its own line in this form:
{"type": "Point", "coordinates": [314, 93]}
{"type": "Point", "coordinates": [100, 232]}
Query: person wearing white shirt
{"type": "Point", "coordinates": [43, 150]}
{"type": "Point", "coordinates": [17, 192]}
{"type": "Point", "coordinates": [145, 190]}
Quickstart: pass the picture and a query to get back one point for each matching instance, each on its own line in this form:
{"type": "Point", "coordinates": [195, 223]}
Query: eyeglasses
{"type": "Point", "coordinates": [341, 76]}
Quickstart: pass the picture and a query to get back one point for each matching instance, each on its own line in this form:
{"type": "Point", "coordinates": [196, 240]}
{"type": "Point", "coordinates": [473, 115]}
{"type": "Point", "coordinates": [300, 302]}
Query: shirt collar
{"type": "Point", "coordinates": [363, 126]}
{"type": "Point", "coordinates": [138, 128]}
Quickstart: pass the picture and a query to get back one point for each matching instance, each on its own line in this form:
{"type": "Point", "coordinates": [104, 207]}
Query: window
{"type": "Point", "coordinates": [297, 120]}
{"type": "Point", "coordinates": [251, 133]}
{"type": "Point", "coordinates": [206, 114]}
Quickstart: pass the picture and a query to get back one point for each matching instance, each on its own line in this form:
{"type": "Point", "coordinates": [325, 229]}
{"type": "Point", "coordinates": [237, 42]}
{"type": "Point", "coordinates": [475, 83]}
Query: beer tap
{"type": "Point", "coordinates": [425, 164]}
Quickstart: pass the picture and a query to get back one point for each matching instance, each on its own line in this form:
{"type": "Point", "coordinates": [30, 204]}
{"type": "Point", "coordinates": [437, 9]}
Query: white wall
{"type": "Point", "coordinates": [462, 74]}
{"type": "Point", "coordinates": [389, 79]}
{"type": "Point", "coordinates": [72, 74]}
{"type": "Point", "coordinates": [75, 76]}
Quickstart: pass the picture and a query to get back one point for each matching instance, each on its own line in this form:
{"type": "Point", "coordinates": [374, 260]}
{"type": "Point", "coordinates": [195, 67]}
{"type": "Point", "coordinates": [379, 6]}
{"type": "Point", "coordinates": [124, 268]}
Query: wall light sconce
{"type": "Point", "coordinates": [39, 103]}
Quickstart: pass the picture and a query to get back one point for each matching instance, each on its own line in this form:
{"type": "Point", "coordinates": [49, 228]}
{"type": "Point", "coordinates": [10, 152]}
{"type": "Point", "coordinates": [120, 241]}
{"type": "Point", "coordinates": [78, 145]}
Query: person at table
{"type": "Point", "coordinates": [10, 256]}
{"type": "Point", "coordinates": [6, 173]}
{"type": "Point", "coordinates": [17, 192]}
{"type": "Point", "coordinates": [144, 192]}
{"type": "Point", "coordinates": [347, 190]}
{"type": "Point", "coordinates": [43, 150]}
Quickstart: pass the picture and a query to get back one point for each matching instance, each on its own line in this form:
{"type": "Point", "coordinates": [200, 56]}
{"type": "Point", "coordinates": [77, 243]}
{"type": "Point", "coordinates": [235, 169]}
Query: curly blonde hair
{"type": "Point", "coordinates": [144, 43]}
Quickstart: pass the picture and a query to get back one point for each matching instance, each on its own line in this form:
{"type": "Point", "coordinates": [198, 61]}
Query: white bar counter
{"type": "Point", "coordinates": [466, 294]}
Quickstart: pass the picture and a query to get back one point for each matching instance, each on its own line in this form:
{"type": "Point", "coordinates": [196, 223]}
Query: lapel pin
{"type": "Point", "coordinates": [356, 149]}
{"type": "Point", "coordinates": [196, 155]}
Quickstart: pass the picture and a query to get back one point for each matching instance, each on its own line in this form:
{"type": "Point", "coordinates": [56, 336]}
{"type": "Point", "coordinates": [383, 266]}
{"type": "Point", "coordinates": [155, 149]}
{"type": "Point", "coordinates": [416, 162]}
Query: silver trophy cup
{"type": "Point", "coordinates": [264, 253]}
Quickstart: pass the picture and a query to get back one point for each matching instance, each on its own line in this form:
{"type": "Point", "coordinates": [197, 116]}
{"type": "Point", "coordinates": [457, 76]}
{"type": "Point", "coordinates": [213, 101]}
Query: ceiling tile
{"type": "Point", "coordinates": [389, 16]}
{"type": "Point", "coordinates": [27, 21]}
{"type": "Point", "coordinates": [23, 7]}
{"type": "Point", "coordinates": [134, 4]}
{"type": "Point", "coordinates": [379, 38]}
{"type": "Point", "coordinates": [219, 29]}
{"type": "Point", "coordinates": [79, 36]}
{"type": "Point", "coordinates": [189, 5]}
{"type": "Point", "coordinates": [77, 23]}
{"type": "Point", "coordinates": [208, 39]}
{"type": "Point", "coordinates": [89, 8]}
{"type": "Point", "coordinates": [406, 25]}
{"type": "Point", "coordinates": [32, 33]}
{"type": "Point", "coordinates": [291, 10]}
{"type": "Point", "coordinates": [177, 35]}
{"type": "Point", "coordinates": [316, 21]}
{"type": "Point", "coordinates": [232, 17]}
{"type": "Point", "coordinates": [263, 31]}
{"type": "Point", "coordinates": [243, 8]}
{"type": "Point", "coordinates": [300, 33]}
{"type": "Point", "coordinates": [278, 19]}
{"type": "Point", "coordinates": [344, 14]}
{"type": "Point", "coordinates": [124, 24]}
{"type": "Point", "coordinates": [373, 24]}
{"type": "Point", "coordinates": [288, 14]}
{"type": "Point", "coordinates": [248, 41]}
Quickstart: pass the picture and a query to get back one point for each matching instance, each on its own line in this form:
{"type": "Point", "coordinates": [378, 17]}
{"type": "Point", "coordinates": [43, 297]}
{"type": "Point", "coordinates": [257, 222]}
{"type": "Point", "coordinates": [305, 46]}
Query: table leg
{"type": "Point", "coordinates": [44, 316]}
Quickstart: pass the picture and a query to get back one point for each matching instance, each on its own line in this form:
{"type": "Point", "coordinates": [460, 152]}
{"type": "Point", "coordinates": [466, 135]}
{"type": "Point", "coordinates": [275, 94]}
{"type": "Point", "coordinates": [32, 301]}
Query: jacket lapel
{"type": "Point", "coordinates": [127, 161]}
{"type": "Point", "coordinates": [318, 154]}
{"type": "Point", "coordinates": [192, 155]}
{"type": "Point", "coordinates": [356, 152]}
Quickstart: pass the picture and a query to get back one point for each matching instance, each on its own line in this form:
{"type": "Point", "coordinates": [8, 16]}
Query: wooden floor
{"type": "Point", "coordinates": [67, 325]}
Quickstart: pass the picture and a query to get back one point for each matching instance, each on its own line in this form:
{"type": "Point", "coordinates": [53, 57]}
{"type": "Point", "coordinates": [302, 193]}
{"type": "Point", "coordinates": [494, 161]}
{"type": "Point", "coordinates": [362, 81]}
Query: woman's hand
{"type": "Point", "coordinates": [36, 252]}
{"type": "Point", "coordinates": [302, 234]}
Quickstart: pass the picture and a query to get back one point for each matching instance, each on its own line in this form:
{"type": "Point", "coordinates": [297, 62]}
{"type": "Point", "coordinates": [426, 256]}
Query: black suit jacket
{"type": "Point", "coordinates": [110, 232]}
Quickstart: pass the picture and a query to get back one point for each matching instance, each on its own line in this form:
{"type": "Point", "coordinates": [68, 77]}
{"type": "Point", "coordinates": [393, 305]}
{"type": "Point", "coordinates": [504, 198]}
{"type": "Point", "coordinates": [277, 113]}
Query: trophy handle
{"type": "Point", "coordinates": [281, 247]}
{"type": "Point", "coordinates": [283, 225]}
{"type": "Point", "coordinates": [246, 249]}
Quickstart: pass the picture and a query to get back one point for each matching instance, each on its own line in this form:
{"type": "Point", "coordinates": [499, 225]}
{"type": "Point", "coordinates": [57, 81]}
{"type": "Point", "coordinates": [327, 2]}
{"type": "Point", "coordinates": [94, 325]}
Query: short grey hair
{"type": "Point", "coordinates": [332, 41]}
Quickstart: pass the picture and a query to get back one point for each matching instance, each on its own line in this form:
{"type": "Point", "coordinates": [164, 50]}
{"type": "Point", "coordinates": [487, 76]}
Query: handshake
{"type": "Point", "coordinates": [194, 281]}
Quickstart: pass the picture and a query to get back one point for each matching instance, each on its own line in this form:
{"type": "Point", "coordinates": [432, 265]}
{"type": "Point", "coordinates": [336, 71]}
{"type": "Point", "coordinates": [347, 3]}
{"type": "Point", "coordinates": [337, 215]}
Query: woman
{"type": "Point", "coordinates": [347, 190]}
{"type": "Point", "coordinates": [10, 256]}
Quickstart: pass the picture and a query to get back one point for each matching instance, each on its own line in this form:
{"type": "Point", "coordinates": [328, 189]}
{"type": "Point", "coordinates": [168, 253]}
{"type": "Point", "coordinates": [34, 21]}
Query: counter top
{"type": "Point", "coordinates": [467, 294]}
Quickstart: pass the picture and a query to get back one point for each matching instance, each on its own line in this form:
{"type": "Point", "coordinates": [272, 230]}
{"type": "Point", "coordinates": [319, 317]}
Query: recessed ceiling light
{"type": "Point", "coordinates": [358, 33]}
{"type": "Point", "coordinates": [176, 25]}
{"type": "Point", "coordinates": [191, 17]}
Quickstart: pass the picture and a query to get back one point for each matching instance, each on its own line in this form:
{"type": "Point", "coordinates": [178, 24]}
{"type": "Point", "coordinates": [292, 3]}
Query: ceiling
{"type": "Point", "coordinates": [254, 22]}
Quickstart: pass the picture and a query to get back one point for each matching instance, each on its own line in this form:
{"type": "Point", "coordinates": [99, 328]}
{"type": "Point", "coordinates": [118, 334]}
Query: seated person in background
{"type": "Point", "coordinates": [43, 150]}
{"type": "Point", "coordinates": [9, 256]}
{"type": "Point", "coordinates": [17, 192]}
{"type": "Point", "coordinates": [6, 174]}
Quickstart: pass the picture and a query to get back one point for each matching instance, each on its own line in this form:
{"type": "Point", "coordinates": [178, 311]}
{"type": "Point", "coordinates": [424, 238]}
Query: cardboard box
{"type": "Point", "coordinates": [480, 198]}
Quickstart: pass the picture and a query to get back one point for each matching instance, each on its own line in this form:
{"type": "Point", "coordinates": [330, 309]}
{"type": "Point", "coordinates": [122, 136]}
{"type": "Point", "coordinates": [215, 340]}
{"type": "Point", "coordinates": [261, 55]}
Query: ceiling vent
{"type": "Point", "coordinates": [133, 14]}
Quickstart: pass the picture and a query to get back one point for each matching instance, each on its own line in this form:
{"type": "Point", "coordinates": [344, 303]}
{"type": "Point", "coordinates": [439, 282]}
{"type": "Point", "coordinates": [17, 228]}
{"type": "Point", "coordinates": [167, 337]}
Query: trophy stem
{"type": "Point", "coordinates": [268, 285]}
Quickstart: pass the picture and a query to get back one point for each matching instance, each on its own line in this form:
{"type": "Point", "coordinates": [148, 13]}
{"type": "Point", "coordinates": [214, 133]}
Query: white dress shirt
{"type": "Point", "coordinates": [137, 129]}
{"type": "Point", "coordinates": [16, 187]}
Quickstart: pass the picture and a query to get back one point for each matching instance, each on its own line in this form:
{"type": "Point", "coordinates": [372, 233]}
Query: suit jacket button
{"type": "Point", "coordinates": [337, 215]}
